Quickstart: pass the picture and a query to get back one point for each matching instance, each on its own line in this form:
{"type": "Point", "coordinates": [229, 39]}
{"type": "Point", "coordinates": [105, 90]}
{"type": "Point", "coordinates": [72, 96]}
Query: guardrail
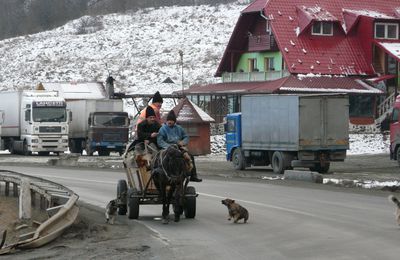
{"type": "Point", "coordinates": [58, 201]}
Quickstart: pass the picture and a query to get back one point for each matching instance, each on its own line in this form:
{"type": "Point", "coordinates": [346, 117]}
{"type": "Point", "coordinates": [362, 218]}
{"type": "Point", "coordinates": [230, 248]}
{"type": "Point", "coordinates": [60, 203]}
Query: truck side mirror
{"type": "Point", "coordinates": [89, 121]}
{"type": "Point", "coordinates": [28, 115]}
{"type": "Point", "coordinates": [69, 115]}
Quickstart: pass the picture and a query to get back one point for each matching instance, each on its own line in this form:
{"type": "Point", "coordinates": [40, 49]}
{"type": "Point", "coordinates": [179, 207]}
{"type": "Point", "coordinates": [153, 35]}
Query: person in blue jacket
{"type": "Point", "coordinates": [171, 133]}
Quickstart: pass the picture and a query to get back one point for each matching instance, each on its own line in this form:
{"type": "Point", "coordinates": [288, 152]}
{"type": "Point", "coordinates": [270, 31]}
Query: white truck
{"type": "Point", "coordinates": [98, 125]}
{"type": "Point", "coordinates": [36, 121]}
{"type": "Point", "coordinates": [1, 122]}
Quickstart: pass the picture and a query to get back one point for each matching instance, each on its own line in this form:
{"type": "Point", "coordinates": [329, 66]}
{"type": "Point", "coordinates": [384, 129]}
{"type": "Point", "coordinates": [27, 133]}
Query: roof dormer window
{"type": "Point", "coordinates": [387, 31]}
{"type": "Point", "coordinates": [322, 28]}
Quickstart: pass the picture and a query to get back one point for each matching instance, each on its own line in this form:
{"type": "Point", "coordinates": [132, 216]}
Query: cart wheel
{"type": "Point", "coordinates": [133, 205]}
{"type": "Point", "coordinates": [190, 202]}
{"type": "Point", "coordinates": [121, 195]}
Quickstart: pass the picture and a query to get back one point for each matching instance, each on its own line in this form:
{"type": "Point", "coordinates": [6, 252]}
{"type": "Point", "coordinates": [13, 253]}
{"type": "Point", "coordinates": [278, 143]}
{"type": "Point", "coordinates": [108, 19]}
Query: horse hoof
{"type": "Point", "coordinates": [176, 219]}
{"type": "Point", "coordinates": [165, 221]}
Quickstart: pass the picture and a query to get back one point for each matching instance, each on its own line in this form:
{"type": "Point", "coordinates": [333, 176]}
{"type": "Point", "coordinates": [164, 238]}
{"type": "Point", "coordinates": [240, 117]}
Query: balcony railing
{"type": "Point", "coordinates": [253, 76]}
{"type": "Point", "coordinates": [264, 42]}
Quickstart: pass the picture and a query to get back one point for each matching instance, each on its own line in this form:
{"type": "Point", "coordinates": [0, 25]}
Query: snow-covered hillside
{"type": "Point", "coordinates": [140, 49]}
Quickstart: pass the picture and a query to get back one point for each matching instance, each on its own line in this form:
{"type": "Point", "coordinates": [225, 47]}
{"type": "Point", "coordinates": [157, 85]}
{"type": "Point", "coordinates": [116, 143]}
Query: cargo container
{"type": "Point", "coordinates": [287, 131]}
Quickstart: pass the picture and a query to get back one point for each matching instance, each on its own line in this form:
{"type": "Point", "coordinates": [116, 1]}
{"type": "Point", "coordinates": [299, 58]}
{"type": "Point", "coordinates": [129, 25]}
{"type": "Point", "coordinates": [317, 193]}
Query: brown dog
{"type": "Point", "coordinates": [397, 202]}
{"type": "Point", "coordinates": [235, 211]}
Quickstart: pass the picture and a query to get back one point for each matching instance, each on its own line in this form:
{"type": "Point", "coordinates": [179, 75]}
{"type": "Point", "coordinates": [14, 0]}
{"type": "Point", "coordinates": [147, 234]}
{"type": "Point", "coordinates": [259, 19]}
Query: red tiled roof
{"type": "Point", "coordinates": [256, 6]}
{"type": "Point", "coordinates": [338, 54]}
{"type": "Point", "coordinates": [302, 83]}
{"type": "Point", "coordinates": [341, 54]}
{"type": "Point", "coordinates": [237, 87]}
{"type": "Point", "coordinates": [327, 84]}
{"type": "Point", "coordinates": [391, 48]}
{"type": "Point", "coordinates": [306, 15]}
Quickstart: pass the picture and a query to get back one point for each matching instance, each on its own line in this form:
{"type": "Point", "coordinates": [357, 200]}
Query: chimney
{"type": "Point", "coordinates": [110, 87]}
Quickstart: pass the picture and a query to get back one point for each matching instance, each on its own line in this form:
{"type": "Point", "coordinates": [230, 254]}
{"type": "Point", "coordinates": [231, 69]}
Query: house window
{"type": "Point", "coordinates": [361, 106]}
{"type": "Point", "coordinates": [269, 64]}
{"type": "Point", "coordinates": [268, 27]}
{"type": "Point", "coordinates": [322, 28]}
{"type": "Point", "coordinates": [252, 65]}
{"type": "Point", "coordinates": [284, 65]}
{"type": "Point", "coordinates": [387, 31]}
{"type": "Point", "coordinates": [395, 115]}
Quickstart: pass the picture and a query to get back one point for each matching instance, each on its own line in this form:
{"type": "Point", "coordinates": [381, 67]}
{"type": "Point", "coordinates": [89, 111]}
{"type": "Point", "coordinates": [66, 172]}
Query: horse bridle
{"type": "Point", "coordinates": [162, 155]}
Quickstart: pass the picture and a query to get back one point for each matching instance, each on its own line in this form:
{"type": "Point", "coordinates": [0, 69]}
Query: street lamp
{"type": "Point", "coordinates": [181, 55]}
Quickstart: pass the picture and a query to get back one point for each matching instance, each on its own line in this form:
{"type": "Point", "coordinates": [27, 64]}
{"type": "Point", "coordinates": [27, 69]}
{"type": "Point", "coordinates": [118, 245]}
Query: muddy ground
{"type": "Point", "coordinates": [91, 238]}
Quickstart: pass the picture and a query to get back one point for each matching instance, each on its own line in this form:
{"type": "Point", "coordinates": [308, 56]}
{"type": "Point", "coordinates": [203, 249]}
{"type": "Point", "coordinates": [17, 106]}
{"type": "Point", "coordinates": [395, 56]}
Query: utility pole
{"type": "Point", "coordinates": [181, 54]}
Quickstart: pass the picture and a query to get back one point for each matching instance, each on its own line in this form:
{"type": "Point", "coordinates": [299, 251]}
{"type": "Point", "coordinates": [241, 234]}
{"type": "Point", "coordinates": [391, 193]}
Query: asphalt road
{"type": "Point", "coordinates": [286, 221]}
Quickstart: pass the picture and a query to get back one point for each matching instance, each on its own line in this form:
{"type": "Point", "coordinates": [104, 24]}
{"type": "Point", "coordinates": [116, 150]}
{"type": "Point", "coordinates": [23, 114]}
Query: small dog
{"type": "Point", "coordinates": [397, 202]}
{"type": "Point", "coordinates": [111, 211]}
{"type": "Point", "coordinates": [235, 211]}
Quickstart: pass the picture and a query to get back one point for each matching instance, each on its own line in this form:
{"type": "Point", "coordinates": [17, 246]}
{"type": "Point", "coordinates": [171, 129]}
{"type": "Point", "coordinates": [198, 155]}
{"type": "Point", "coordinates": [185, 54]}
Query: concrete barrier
{"type": "Point", "coordinates": [303, 176]}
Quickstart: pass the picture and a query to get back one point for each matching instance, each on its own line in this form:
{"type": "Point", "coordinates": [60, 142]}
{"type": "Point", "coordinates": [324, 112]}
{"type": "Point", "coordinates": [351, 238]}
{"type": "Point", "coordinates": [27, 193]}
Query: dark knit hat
{"type": "Point", "coordinates": [171, 116]}
{"type": "Point", "coordinates": [157, 97]}
{"type": "Point", "coordinates": [150, 111]}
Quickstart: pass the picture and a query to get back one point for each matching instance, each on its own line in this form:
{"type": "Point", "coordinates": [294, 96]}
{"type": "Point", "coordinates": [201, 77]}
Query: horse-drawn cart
{"type": "Point", "coordinates": [140, 187]}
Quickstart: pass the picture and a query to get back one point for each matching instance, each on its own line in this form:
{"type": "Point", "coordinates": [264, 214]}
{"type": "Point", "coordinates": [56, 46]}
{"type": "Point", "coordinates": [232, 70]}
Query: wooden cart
{"type": "Point", "coordinates": [139, 189]}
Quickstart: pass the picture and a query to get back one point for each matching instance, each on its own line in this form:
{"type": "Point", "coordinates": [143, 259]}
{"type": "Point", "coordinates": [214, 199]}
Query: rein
{"type": "Point", "coordinates": [162, 155]}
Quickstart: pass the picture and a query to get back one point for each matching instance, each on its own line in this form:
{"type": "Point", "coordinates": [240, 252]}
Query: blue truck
{"type": "Point", "coordinates": [287, 131]}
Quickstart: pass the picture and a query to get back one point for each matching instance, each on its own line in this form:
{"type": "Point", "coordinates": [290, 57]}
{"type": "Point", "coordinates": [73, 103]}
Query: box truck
{"type": "Point", "coordinates": [34, 121]}
{"type": "Point", "coordinates": [98, 125]}
{"type": "Point", "coordinates": [287, 131]}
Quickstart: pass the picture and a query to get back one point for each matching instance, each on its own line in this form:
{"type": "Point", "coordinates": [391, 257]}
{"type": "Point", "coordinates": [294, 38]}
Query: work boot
{"type": "Point", "coordinates": [194, 178]}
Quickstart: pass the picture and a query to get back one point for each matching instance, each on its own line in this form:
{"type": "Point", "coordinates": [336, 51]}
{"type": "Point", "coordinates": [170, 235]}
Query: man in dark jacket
{"type": "Point", "coordinates": [147, 131]}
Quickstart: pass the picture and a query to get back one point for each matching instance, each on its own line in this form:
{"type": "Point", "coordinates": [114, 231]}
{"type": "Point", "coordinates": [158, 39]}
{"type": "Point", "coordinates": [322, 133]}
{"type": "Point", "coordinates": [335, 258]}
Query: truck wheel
{"type": "Point", "coordinates": [189, 206]}
{"type": "Point", "coordinates": [122, 189]}
{"type": "Point", "coordinates": [277, 162]}
{"type": "Point", "coordinates": [25, 150]}
{"type": "Point", "coordinates": [321, 169]}
{"type": "Point", "coordinates": [88, 149]}
{"type": "Point", "coordinates": [238, 160]}
{"type": "Point", "coordinates": [133, 204]}
{"type": "Point", "coordinates": [11, 147]}
{"type": "Point", "coordinates": [75, 146]}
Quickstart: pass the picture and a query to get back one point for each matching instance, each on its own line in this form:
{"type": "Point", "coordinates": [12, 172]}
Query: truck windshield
{"type": "Point", "coordinates": [110, 120]}
{"type": "Point", "coordinates": [49, 114]}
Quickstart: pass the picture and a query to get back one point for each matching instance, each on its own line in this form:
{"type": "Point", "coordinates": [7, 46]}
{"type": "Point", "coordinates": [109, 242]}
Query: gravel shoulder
{"type": "Point", "coordinates": [91, 238]}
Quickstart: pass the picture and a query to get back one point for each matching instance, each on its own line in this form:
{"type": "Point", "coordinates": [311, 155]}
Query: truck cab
{"type": "Point", "coordinates": [107, 131]}
{"type": "Point", "coordinates": [233, 130]}
{"type": "Point", "coordinates": [44, 123]}
{"type": "Point", "coordinates": [395, 131]}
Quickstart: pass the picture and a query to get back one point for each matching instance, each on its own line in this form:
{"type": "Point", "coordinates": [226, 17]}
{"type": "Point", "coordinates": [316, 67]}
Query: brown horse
{"type": "Point", "coordinates": [171, 169]}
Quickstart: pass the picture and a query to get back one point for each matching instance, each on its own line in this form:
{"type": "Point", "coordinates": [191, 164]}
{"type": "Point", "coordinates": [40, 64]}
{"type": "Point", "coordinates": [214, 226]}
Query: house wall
{"type": "Point", "coordinates": [243, 61]}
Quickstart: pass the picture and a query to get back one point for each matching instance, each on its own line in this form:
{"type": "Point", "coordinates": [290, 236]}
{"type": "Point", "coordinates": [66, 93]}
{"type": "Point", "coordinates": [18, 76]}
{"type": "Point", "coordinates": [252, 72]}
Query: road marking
{"type": "Point", "coordinates": [71, 178]}
{"type": "Point", "coordinates": [264, 205]}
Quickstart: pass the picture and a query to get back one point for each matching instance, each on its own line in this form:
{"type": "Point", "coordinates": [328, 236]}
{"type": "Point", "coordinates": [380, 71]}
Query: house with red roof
{"type": "Point", "coordinates": [305, 46]}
